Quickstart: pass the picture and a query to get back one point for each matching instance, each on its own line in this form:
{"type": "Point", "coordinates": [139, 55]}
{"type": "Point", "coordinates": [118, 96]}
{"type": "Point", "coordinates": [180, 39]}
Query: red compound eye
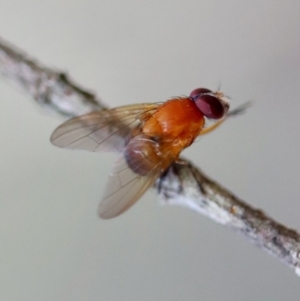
{"type": "Point", "coordinates": [198, 91]}
{"type": "Point", "coordinates": [210, 106]}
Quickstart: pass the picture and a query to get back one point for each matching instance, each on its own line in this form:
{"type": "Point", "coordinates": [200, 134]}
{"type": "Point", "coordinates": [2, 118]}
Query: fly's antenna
{"type": "Point", "coordinates": [240, 109]}
{"type": "Point", "coordinates": [219, 86]}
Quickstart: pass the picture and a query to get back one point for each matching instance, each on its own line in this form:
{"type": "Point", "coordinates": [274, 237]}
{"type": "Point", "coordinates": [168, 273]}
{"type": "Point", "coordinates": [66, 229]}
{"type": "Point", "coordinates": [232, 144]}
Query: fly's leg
{"type": "Point", "coordinates": [159, 181]}
{"type": "Point", "coordinates": [212, 127]}
{"type": "Point", "coordinates": [181, 161]}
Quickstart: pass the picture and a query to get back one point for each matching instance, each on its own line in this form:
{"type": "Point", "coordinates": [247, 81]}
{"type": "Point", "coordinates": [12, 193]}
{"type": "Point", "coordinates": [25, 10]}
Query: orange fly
{"type": "Point", "coordinates": [149, 137]}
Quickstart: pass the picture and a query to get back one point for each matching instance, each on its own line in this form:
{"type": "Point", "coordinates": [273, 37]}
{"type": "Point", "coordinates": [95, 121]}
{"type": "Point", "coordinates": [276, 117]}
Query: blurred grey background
{"type": "Point", "coordinates": [53, 246]}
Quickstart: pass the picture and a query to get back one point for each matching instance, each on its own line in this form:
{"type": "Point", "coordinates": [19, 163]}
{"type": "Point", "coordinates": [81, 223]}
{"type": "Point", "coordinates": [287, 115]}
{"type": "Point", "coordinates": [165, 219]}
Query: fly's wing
{"type": "Point", "coordinates": [125, 187]}
{"type": "Point", "coordinates": [103, 130]}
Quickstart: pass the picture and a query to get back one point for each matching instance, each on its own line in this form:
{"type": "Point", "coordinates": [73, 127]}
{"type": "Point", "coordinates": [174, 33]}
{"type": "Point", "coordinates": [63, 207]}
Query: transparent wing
{"type": "Point", "coordinates": [102, 130]}
{"type": "Point", "coordinates": [125, 187]}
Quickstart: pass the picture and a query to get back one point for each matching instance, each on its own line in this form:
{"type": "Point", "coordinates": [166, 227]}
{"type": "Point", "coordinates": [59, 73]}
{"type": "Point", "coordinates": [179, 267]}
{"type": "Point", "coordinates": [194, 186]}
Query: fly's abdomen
{"type": "Point", "coordinates": [142, 154]}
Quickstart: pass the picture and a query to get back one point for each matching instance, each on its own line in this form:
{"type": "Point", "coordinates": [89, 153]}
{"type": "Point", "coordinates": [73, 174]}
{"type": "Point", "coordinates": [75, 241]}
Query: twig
{"type": "Point", "coordinates": [186, 185]}
{"type": "Point", "coordinates": [51, 89]}
{"type": "Point", "coordinates": [182, 184]}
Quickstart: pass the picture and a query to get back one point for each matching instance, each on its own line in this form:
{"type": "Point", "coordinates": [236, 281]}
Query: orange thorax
{"type": "Point", "coordinates": [177, 121]}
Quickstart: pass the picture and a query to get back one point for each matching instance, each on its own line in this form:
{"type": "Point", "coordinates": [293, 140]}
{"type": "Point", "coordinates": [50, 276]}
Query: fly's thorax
{"type": "Point", "coordinates": [175, 118]}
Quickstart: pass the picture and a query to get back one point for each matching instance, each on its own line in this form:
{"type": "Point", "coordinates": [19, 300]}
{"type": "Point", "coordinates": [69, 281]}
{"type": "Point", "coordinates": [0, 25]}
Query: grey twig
{"type": "Point", "coordinates": [186, 185]}
{"type": "Point", "coordinates": [51, 89]}
{"type": "Point", "coordinates": [182, 184]}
